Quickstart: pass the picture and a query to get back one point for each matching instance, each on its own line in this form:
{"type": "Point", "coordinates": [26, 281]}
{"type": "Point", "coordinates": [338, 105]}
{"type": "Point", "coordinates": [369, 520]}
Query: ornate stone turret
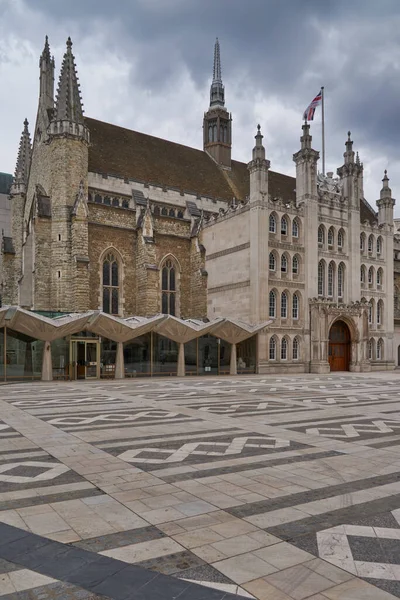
{"type": "Point", "coordinates": [385, 203]}
{"type": "Point", "coordinates": [23, 162]}
{"type": "Point", "coordinates": [258, 168]}
{"type": "Point", "coordinates": [46, 65]}
{"type": "Point", "coordinates": [306, 167]}
{"type": "Point", "coordinates": [217, 123]}
{"type": "Point", "coordinates": [351, 173]}
{"type": "Point", "coordinates": [68, 115]}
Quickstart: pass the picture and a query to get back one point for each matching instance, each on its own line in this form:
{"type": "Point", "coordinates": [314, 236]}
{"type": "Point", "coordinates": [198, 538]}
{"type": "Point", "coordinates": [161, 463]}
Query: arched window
{"type": "Point", "coordinates": [379, 349]}
{"type": "Point", "coordinates": [362, 242]}
{"type": "Point", "coordinates": [115, 202]}
{"type": "Point", "coordinates": [180, 214]}
{"type": "Point", "coordinates": [379, 277]}
{"type": "Point", "coordinates": [371, 312]}
{"type": "Point", "coordinates": [295, 349]}
{"type": "Point", "coordinates": [157, 210]}
{"type": "Point", "coordinates": [340, 285]}
{"type": "Point", "coordinates": [371, 349]}
{"type": "Point", "coordinates": [371, 244]}
{"type": "Point", "coordinates": [330, 236]}
{"type": "Point", "coordinates": [321, 235]}
{"type": "Point", "coordinates": [340, 238]}
{"type": "Point", "coordinates": [295, 265]}
{"type": "Point", "coordinates": [171, 212]}
{"type": "Point", "coordinates": [284, 303]}
{"type": "Point", "coordinates": [284, 226]}
{"type": "Point", "coordinates": [272, 261]}
{"type": "Point", "coordinates": [379, 246]}
{"type": "Point", "coordinates": [272, 224]}
{"type": "Point", "coordinates": [295, 228]}
{"type": "Point", "coordinates": [98, 199]}
{"type": "Point", "coordinates": [379, 313]}
{"type": "Point", "coordinates": [272, 304]}
{"type": "Point", "coordinates": [371, 276]}
{"type": "Point", "coordinates": [272, 349]}
{"type": "Point", "coordinates": [330, 279]}
{"type": "Point", "coordinates": [284, 264]}
{"type": "Point", "coordinates": [321, 278]}
{"type": "Point", "coordinates": [164, 211]}
{"type": "Point", "coordinates": [295, 306]}
{"type": "Point", "coordinates": [284, 346]}
{"type": "Point", "coordinates": [168, 288]}
{"type": "Point", "coordinates": [362, 274]}
{"type": "Point", "coordinates": [110, 285]}
{"type": "Point", "coordinates": [107, 200]}
{"type": "Point", "coordinates": [125, 203]}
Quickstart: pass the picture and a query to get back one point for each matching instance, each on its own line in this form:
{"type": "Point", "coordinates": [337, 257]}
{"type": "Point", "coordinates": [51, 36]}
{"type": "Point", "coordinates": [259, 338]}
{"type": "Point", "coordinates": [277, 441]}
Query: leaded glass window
{"type": "Point", "coordinates": [110, 285]}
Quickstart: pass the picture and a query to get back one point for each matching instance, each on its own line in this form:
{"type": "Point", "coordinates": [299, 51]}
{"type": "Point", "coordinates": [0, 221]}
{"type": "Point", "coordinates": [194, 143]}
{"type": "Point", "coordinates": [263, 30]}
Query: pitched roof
{"type": "Point", "coordinates": [118, 151]}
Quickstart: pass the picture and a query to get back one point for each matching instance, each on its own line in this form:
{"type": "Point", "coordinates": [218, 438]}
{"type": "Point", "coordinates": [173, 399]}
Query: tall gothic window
{"type": "Point", "coordinates": [370, 312]}
{"type": "Point", "coordinates": [340, 280]}
{"type": "Point", "coordinates": [272, 262]}
{"type": "Point", "coordinates": [362, 274]}
{"type": "Point", "coordinates": [295, 228]}
{"type": "Point", "coordinates": [295, 349]}
{"type": "Point", "coordinates": [284, 303]}
{"type": "Point", "coordinates": [284, 264]}
{"type": "Point", "coordinates": [379, 246]}
{"type": "Point", "coordinates": [295, 306]}
{"type": "Point", "coordinates": [379, 277]}
{"type": "Point", "coordinates": [272, 304]}
{"type": "Point", "coordinates": [272, 349]}
{"type": "Point", "coordinates": [362, 242]}
{"type": "Point", "coordinates": [379, 349]}
{"type": "Point", "coordinates": [110, 285]}
{"type": "Point", "coordinates": [284, 226]}
{"type": "Point", "coordinates": [379, 312]}
{"type": "Point", "coordinates": [321, 278]}
{"type": "Point", "coordinates": [321, 235]}
{"type": "Point", "coordinates": [330, 280]}
{"type": "Point", "coordinates": [371, 276]}
{"type": "Point", "coordinates": [371, 349]}
{"type": "Point", "coordinates": [330, 236]}
{"type": "Point", "coordinates": [371, 244]}
{"type": "Point", "coordinates": [295, 265]}
{"type": "Point", "coordinates": [168, 288]}
{"type": "Point", "coordinates": [340, 239]}
{"type": "Point", "coordinates": [284, 346]}
{"type": "Point", "coordinates": [272, 224]}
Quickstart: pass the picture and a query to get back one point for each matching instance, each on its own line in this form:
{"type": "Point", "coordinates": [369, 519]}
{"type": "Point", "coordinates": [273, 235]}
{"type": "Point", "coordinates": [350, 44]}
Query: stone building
{"type": "Point", "coordinates": [291, 273]}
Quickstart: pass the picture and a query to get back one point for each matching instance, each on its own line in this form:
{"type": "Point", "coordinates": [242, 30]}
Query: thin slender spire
{"type": "Point", "coordinates": [259, 150]}
{"type": "Point", "coordinates": [349, 152]}
{"type": "Point", "coordinates": [217, 92]}
{"type": "Point", "coordinates": [69, 102]}
{"type": "Point", "coordinates": [23, 159]}
{"type": "Point", "coordinates": [386, 192]}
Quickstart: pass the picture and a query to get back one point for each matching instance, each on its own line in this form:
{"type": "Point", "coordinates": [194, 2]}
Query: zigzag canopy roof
{"type": "Point", "coordinates": [122, 330]}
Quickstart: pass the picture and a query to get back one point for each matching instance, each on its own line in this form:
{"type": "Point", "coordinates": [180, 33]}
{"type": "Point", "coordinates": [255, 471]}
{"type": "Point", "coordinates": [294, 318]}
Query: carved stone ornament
{"type": "Point", "coordinates": [328, 183]}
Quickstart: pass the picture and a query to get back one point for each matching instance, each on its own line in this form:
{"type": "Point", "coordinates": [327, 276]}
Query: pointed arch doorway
{"type": "Point", "coordinates": [339, 347]}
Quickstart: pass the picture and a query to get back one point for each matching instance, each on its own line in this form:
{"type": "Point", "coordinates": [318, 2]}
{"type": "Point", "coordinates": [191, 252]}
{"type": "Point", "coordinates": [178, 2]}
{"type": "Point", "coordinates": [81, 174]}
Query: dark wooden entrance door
{"type": "Point", "coordinates": [339, 347]}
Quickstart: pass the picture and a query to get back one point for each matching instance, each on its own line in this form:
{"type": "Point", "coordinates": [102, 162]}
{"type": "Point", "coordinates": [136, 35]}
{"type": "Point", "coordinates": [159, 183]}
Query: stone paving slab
{"type": "Point", "coordinates": [263, 486]}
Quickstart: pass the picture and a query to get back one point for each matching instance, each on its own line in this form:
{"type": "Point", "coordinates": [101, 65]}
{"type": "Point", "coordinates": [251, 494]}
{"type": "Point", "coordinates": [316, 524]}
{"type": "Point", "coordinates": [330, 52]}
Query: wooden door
{"type": "Point", "coordinates": [339, 347]}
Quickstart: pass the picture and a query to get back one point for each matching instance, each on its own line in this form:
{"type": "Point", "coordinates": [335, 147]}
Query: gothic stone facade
{"type": "Point", "coordinates": [104, 218]}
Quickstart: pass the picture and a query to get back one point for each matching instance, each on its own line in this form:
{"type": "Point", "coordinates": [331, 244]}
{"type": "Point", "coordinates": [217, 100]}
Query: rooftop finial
{"type": "Point", "coordinates": [349, 136]}
{"type": "Point", "coordinates": [217, 94]}
{"type": "Point", "coordinates": [69, 43]}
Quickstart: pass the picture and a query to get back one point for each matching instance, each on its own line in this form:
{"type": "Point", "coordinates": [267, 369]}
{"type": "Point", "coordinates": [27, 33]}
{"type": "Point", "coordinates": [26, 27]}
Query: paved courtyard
{"type": "Point", "coordinates": [265, 487]}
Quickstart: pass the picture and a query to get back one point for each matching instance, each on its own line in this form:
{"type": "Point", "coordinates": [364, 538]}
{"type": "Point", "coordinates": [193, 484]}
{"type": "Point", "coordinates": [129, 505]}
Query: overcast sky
{"type": "Point", "coordinates": [147, 65]}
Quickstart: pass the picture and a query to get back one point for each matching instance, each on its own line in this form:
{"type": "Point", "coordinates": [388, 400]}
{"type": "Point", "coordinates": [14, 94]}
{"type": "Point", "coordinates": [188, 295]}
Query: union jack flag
{"type": "Point", "coordinates": [310, 110]}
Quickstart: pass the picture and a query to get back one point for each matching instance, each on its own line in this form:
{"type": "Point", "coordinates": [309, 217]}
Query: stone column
{"type": "Point", "coordinates": [119, 362]}
{"type": "Point", "coordinates": [181, 360]}
{"type": "Point", "coordinates": [233, 365]}
{"type": "Point", "coordinates": [47, 363]}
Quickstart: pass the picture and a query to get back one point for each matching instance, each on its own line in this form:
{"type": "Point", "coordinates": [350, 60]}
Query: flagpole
{"type": "Point", "coordinates": [323, 132]}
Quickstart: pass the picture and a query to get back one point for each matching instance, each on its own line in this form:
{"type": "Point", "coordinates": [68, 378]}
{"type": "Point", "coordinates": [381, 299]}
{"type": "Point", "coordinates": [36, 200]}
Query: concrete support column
{"type": "Point", "coordinates": [181, 360]}
{"type": "Point", "coordinates": [119, 362]}
{"type": "Point", "coordinates": [233, 365]}
{"type": "Point", "coordinates": [47, 363]}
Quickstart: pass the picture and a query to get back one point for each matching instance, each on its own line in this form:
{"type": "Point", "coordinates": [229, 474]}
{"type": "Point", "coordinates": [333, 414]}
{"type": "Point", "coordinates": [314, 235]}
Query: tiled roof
{"type": "Point", "coordinates": [118, 151]}
{"type": "Point", "coordinates": [367, 213]}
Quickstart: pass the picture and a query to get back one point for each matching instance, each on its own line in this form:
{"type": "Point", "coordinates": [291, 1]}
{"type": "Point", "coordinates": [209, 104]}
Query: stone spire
{"type": "Point", "coordinates": [69, 102]}
{"type": "Point", "coordinates": [217, 92]}
{"type": "Point", "coordinates": [258, 169]}
{"type": "Point", "coordinates": [23, 162]}
{"type": "Point", "coordinates": [386, 192]}
{"type": "Point", "coordinates": [259, 150]}
{"type": "Point", "coordinates": [385, 203]}
{"type": "Point", "coordinates": [349, 152]}
{"type": "Point", "coordinates": [46, 65]}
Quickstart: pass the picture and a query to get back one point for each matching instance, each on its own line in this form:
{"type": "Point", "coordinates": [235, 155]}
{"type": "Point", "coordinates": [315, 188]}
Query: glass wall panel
{"type": "Point", "coordinates": [60, 358]}
{"type": "Point", "coordinates": [224, 357]}
{"type": "Point", "coordinates": [137, 354]}
{"type": "Point", "coordinates": [2, 369]}
{"type": "Point", "coordinates": [191, 357]}
{"type": "Point", "coordinates": [247, 355]}
{"type": "Point", "coordinates": [165, 355]}
{"type": "Point", "coordinates": [208, 355]}
{"type": "Point", "coordinates": [23, 356]}
{"type": "Point", "coordinates": [108, 354]}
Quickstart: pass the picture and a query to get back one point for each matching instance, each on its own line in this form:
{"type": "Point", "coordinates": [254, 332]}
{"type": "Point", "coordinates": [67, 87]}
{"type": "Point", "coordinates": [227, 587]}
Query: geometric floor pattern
{"type": "Point", "coordinates": [266, 487]}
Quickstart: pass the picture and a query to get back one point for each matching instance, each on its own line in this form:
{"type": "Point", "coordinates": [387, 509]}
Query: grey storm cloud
{"type": "Point", "coordinates": [277, 50]}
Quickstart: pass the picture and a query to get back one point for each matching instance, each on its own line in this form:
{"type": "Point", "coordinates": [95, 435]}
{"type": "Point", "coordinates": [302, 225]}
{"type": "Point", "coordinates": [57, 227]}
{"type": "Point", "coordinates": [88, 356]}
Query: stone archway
{"type": "Point", "coordinates": [339, 354]}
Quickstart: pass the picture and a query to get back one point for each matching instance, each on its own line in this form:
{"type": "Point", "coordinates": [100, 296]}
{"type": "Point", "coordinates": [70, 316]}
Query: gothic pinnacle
{"type": "Point", "coordinates": [217, 63]}
{"type": "Point", "coordinates": [69, 103]}
{"type": "Point", "coordinates": [217, 93]}
{"type": "Point", "coordinates": [24, 157]}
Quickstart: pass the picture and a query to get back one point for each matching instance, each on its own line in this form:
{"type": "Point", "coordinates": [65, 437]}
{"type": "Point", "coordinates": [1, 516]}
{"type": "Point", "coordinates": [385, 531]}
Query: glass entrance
{"type": "Point", "coordinates": [84, 359]}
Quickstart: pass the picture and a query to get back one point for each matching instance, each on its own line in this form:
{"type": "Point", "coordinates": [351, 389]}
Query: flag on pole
{"type": "Point", "coordinates": [310, 110]}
